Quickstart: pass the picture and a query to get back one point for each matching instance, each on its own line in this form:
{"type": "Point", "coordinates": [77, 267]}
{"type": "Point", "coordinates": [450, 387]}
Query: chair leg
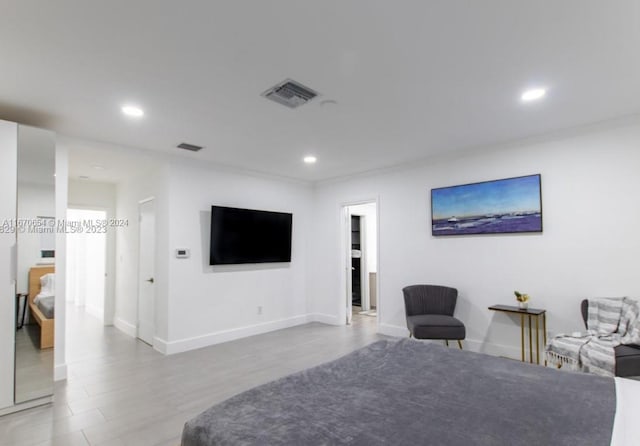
{"type": "Point", "coordinates": [446, 342]}
{"type": "Point", "coordinates": [460, 344]}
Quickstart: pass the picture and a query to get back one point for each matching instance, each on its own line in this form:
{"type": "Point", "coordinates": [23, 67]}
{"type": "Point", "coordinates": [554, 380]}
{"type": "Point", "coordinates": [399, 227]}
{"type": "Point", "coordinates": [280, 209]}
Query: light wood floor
{"type": "Point", "coordinates": [122, 392]}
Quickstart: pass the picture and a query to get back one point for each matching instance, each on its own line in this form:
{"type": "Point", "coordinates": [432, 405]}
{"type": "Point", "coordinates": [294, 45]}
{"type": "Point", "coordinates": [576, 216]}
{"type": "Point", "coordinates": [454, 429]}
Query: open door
{"type": "Point", "coordinates": [360, 251]}
{"type": "Point", "coordinates": [146, 269]}
{"type": "Point", "coordinates": [349, 267]}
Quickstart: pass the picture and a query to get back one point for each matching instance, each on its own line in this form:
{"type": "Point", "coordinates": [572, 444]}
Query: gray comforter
{"type": "Point", "coordinates": [46, 305]}
{"type": "Point", "coordinates": [412, 393]}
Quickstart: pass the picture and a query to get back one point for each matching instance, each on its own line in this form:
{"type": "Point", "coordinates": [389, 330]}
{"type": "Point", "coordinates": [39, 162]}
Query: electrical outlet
{"type": "Point", "coordinates": [259, 309]}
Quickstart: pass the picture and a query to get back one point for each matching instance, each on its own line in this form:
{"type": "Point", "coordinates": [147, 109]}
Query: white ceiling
{"type": "Point", "coordinates": [100, 162]}
{"type": "Point", "coordinates": [411, 78]}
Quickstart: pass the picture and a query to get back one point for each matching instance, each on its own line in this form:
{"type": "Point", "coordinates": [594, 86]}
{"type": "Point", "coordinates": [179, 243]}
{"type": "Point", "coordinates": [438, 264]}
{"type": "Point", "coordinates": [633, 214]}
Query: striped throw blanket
{"type": "Point", "coordinates": [610, 322]}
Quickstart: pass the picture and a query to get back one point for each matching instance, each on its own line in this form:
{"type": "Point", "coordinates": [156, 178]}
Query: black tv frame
{"type": "Point", "coordinates": [220, 255]}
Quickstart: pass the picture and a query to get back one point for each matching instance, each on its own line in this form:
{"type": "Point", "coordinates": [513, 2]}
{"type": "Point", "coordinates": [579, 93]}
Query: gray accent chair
{"type": "Point", "coordinates": [429, 310]}
{"type": "Point", "coordinates": [627, 356]}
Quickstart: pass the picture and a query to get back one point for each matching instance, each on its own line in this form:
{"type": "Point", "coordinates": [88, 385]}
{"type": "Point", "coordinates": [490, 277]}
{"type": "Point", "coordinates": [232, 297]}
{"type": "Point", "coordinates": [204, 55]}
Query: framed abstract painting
{"type": "Point", "coordinates": [504, 206]}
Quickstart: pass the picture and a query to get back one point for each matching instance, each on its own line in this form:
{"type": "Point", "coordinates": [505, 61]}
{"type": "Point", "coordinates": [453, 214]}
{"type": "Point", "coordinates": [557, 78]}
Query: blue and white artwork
{"type": "Point", "coordinates": [491, 207]}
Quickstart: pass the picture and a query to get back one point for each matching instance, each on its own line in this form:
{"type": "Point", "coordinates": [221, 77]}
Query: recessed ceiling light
{"type": "Point", "coordinates": [533, 94]}
{"type": "Point", "coordinates": [97, 167]}
{"type": "Point", "coordinates": [83, 177]}
{"type": "Point", "coordinates": [131, 110]}
{"type": "Point", "coordinates": [310, 159]}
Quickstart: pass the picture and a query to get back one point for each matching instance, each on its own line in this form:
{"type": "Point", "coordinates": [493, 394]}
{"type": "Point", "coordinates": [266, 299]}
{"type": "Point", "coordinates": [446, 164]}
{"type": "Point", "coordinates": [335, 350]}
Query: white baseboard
{"type": "Point", "coordinates": [171, 347]}
{"type": "Point", "coordinates": [28, 405]}
{"type": "Point", "coordinates": [474, 345]}
{"type": "Point", "coordinates": [328, 319]}
{"type": "Point", "coordinates": [60, 372]}
{"type": "Point", "coordinates": [507, 351]}
{"type": "Point", "coordinates": [393, 330]}
{"type": "Point", "coordinates": [125, 327]}
{"type": "Point", "coordinates": [183, 345]}
{"type": "Point", "coordinates": [160, 345]}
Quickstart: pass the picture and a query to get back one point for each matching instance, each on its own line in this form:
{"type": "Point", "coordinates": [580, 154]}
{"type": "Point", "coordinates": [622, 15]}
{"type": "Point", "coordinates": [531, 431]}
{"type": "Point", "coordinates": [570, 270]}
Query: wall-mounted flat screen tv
{"type": "Point", "coordinates": [249, 236]}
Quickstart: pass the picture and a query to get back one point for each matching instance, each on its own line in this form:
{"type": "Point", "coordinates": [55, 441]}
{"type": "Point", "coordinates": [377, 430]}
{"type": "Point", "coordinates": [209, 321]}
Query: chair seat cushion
{"type": "Point", "coordinates": [627, 360]}
{"type": "Point", "coordinates": [627, 350]}
{"type": "Point", "coordinates": [436, 326]}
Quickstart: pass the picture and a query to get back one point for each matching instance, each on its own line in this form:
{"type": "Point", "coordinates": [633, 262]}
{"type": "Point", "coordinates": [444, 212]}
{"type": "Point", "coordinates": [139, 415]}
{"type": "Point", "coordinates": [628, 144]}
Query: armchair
{"type": "Point", "coordinates": [429, 312]}
{"type": "Point", "coordinates": [627, 356]}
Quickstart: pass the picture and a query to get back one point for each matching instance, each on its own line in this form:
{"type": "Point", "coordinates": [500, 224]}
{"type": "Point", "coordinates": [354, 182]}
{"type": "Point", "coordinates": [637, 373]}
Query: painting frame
{"type": "Point", "coordinates": [503, 206]}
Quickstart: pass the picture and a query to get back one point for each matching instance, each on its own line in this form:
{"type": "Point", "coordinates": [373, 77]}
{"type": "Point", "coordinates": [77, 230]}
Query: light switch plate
{"type": "Point", "coordinates": [182, 253]}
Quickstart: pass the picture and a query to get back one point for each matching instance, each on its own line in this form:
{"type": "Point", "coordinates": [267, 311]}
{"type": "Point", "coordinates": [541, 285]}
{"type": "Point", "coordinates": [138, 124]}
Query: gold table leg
{"type": "Point", "coordinates": [544, 333]}
{"type": "Point", "coordinates": [537, 341]}
{"type": "Point", "coordinates": [530, 342]}
{"type": "Point", "coordinates": [522, 336]}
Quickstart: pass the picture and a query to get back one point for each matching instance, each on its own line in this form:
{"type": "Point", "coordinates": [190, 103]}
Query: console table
{"type": "Point", "coordinates": [529, 313]}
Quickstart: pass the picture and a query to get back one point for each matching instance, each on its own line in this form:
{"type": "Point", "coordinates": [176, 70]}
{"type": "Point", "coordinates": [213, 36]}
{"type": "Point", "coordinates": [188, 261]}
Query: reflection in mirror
{"type": "Point", "coordinates": [35, 281]}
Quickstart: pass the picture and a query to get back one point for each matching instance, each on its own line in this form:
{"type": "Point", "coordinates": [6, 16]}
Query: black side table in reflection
{"type": "Point", "coordinates": [21, 304]}
{"type": "Point", "coordinates": [529, 313]}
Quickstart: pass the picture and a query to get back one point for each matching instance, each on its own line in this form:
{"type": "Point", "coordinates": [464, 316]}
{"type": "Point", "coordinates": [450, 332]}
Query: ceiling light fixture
{"type": "Point", "coordinates": [310, 159]}
{"type": "Point", "coordinates": [133, 111]}
{"type": "Point", "coordinates": [533, 94]}
{"type": "Point", "coordinates": [98, 167]}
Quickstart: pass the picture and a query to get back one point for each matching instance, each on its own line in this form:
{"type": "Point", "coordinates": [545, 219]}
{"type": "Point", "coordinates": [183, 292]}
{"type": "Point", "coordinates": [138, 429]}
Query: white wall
{"type": "Point", "coordinates": [589, 246]}
{"type": "Point", "coordinates": [96, 195]}
{"type": "Point", "coordinates": [214, 304]}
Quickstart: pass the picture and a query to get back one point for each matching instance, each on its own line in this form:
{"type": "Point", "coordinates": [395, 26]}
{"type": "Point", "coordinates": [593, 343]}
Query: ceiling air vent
{"type": "Point", "coordinates": [190, 147]}
{"type": "Point", "coordinates": [290, 93]}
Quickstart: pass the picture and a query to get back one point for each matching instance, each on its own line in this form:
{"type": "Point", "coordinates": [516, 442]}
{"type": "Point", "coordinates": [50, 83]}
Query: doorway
{"type": "Point", "coordinates": [361, 250]}
{"type": "Point", "coordinates": [86, 260]}
{"type": "Point", "coordinates": [146, 266]}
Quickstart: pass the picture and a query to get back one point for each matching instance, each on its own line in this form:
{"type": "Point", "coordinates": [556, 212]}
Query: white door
{"type": "Point", "coordinates": [146, 292]}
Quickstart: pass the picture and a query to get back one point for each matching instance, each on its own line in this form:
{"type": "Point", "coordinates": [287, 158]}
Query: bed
{"type": "Point", "coordinates": [41, 303]}
{"type": "Point", "coordinates": [411, 392]}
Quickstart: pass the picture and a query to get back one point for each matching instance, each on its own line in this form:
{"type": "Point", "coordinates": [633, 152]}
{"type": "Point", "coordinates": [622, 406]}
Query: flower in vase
{"type": "Point", "coordinates": [521, 297]}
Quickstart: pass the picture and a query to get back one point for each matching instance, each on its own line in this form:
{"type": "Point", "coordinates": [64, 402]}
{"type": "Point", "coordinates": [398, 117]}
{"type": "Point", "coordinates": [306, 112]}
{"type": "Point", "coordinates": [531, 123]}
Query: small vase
{"type": "Point", "coordinates": [523, 305]}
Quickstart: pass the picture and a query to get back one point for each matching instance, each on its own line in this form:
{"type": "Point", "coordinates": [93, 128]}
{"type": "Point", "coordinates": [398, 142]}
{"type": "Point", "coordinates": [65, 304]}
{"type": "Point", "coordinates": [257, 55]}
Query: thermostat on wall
{"type": "Point", "coordinates": [182, 253]}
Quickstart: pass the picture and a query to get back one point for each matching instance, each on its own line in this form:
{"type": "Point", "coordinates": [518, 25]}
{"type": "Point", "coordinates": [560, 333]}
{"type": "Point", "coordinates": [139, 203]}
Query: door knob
{"type": "Point", "coordinates": [150, 280]}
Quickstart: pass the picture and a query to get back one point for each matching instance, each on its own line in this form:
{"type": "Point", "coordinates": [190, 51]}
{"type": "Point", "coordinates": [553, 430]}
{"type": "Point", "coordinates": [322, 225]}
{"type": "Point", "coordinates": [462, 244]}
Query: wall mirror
{"type": "Point", "coordinates": [35, 272]}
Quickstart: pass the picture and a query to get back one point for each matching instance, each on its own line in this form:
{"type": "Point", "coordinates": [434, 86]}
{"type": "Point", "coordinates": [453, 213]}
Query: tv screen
{"type": "Point", "coordinates": [249, 236]}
